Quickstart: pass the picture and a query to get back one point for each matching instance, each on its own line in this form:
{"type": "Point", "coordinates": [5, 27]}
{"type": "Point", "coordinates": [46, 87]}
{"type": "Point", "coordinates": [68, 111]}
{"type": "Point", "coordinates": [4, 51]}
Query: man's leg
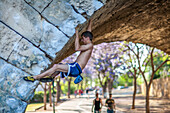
{"type": "Point", "coordinates": [56, 67]}
{"type": "Point", "coordinates": [108, 111]}
{"type": "Point", "coordinates": [55, 74]}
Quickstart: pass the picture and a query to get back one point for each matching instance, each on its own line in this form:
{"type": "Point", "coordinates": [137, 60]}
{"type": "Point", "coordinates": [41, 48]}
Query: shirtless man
{"type": "Point", "coordinates": [72, 69]}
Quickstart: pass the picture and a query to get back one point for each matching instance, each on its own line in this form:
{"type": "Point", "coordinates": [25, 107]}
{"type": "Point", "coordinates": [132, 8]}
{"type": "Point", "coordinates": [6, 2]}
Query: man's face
{"type": "Point", "coordinates": [84, 39]}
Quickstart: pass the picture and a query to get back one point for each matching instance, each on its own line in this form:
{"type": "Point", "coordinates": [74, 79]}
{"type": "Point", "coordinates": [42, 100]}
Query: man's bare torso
{"type": "Point", "coordinates": [83, 57]}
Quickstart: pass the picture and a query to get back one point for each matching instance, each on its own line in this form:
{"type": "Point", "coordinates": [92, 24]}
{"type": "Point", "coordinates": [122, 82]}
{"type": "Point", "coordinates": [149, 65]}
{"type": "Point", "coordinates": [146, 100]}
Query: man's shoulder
{"type": "Point", "coordinates": [112, 99]}
{"type": "Point", "coordinates": [91, 44]}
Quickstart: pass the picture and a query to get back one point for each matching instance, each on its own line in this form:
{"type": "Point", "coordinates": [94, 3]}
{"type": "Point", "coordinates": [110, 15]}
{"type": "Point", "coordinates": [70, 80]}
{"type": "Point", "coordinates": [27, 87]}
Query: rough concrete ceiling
{"type": "Point", "coordinates": [138, 21]}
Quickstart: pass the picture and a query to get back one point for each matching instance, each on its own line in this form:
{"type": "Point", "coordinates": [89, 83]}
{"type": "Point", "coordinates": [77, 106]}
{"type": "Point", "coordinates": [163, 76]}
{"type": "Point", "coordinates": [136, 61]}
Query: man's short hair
{"type": "Point", "coordinates": [87, 34]}
{"type": "Point", "coordinates": [110, 95]}
{"type": "Point", "coordinates": [97, 94]}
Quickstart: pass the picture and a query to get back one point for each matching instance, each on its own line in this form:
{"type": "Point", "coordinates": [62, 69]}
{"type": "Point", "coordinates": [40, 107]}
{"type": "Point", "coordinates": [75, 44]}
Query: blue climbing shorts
{"type": "Point", "coordinates": [73, 71]}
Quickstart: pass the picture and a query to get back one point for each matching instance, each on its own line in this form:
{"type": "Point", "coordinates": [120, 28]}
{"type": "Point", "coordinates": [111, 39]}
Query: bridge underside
{"type": "Point", "coordinates": [138, 21]}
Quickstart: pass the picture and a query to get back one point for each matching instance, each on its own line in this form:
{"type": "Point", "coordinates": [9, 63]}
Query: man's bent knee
{"type": "Point", "coordinates": [55, 66]}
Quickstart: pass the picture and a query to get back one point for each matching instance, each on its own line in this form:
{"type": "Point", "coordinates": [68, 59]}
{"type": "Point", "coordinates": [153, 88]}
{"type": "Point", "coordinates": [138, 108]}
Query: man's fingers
{"type": "Point", "coordinates": [77, 27]}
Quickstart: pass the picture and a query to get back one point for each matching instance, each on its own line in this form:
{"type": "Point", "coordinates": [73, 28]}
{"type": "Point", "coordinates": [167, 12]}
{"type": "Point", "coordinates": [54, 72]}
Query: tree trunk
{"type": "Point", "coordinates": [86, 82]}
{"type": "Point", "coordinates": [134, 93]}
{"type": "Point", "coordinates": [69, 85]}
{"type": "Point", "coordinates": [58, 90]}
{"type": "Point", "coordinates": [147, 99]}
{"type": "Point", "coordinates": [82, 85]}
{"type": "Point", "coordinates": [77, 86]}
{"type": "Point", "coordinates": [110, 84]}
{"type": "Point", "coordinates": [50, 95]}
{"type": "Point", "coordinates": [104, 89]}
{"type": "Point", "coordinates": [45, 97]}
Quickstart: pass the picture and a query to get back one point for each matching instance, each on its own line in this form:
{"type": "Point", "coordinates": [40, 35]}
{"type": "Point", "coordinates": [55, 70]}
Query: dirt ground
{"type": "Point", "coordinates": [157, 105]}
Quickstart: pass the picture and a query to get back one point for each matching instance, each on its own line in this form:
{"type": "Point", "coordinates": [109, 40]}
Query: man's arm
{"type": "Point", "coordinates": [93, 105]}
{"type": "Point", "coordinates": [101, 103]}
{"type": "Point", "coordinates": [84, 47]}
{"type": "Point", "coordinates": [77, 44]}
{"type": "Point", "coordinates": [89, 25]}
{"type": "Point", "coordinates": [106, 103]}
{"type": "Point", "coordinates": [79, 47]}
{"type": "Point", "coordinates": [114, 105]}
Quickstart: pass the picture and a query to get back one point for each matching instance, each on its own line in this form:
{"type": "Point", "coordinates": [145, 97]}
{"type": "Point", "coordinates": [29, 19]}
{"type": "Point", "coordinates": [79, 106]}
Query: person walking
{"type": "Point", "coordinates": [110, 104]}
{"type": "Point", "coordinates": [87, 93]}
{"type": "Point", "coordinates": [97, 102]}
{"type": "Point", "coordinates": [75, 93]}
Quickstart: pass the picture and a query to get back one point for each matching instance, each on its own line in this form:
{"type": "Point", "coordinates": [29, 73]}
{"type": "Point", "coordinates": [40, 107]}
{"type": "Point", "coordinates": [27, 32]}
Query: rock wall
{"type": "Point", "coordinates": [31, 33]}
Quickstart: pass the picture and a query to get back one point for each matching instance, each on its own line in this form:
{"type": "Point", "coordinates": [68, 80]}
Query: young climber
{"type": "Point", "coordinates": [71, 69]}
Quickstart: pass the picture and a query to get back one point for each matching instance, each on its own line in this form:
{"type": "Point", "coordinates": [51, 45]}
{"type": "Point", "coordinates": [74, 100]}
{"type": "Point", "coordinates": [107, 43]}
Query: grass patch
{"type": "Point", "coordinates": [34, 106]}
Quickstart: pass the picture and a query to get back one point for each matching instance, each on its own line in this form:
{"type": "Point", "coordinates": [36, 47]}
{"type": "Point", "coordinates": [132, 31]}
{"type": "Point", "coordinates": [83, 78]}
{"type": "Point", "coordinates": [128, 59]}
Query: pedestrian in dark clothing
{"type": "Point", "coordinates": [97, 102]}
{"type": "Point", "coordinates": [110, 104]}
{"type": "Point", "coordinates": [87, 93]}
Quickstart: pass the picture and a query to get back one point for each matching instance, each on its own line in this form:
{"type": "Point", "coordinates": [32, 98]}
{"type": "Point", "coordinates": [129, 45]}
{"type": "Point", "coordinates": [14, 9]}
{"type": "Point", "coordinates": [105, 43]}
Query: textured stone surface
{"type": "Point", "coordinates": [11, 104]}
{"type": "Point", "coordinates": [86, 6]}
{"type": "Point", "coordinates": [62, 15]}
{"type": "Point", "coordinates": [53, 39]}
{"type": "Point", "coordinates": [8, 41]}
{"type": "Point", "coordinates": [11, 81]}
{"type": "Point", "coordinates": [27, 57]}
{"type": "Point", "coordinates": [39, 5]}
{"type": "Point", "coordinates": [28, 23]}
{"type": "Point", "coordinates": [21, 17]}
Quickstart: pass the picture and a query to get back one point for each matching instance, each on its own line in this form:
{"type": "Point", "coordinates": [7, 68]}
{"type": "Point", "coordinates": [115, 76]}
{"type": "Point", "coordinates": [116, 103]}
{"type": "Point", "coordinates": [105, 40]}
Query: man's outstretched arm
{"type": "Point", "coordinates": [77, 44]}
{"type": "Point", "coordinates": [89, 25]}
{"type": "Point", "coordinates": [79, 47]}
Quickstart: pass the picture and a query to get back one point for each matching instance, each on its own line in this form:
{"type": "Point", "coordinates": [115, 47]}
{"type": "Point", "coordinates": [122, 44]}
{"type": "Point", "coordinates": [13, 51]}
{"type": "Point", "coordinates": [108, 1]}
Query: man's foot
{"type": "Point", "coordinates": [47, 79]}
{"type": "Point", "coordinates": [29, 78]}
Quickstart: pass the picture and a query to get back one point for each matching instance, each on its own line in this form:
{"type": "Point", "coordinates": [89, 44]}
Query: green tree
{"type": "Point", "coordinates": [143, 64]}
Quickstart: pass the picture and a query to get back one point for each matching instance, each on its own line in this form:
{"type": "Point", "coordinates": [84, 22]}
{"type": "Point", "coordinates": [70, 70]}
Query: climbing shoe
{"type": "Point", "coordinates": [29, 78]}
{"type": "Point", "coordinates": [47, 79]}
{"type": "Point", "coordinates": [78, 79]}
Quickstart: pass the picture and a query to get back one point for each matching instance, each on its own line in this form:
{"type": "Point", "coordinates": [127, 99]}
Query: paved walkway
{"type": "Point", "coordinates": [123, 100]}
{"type": "Point", "coordinates": [73, 105]}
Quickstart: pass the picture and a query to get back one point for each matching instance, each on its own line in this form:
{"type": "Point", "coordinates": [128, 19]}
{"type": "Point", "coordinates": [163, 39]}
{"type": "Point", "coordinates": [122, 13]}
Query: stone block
{"type": "Point", "coordinates": [28, 23]}
{"type": "Point", "coordinates": [39, 5]}
{"type": "Point", "coordinates": [20, 16]}
{"type": "Point", "coordinates": [8, 41]}
{"type": "Point", "coordinates": [11, 104]}
{"type": "Point", "coordinates": [11, 81]}
{"type": "Point", "coordinates": [86, 6]}
{"type": "Point", "coordinates": [62, 14]}
{"type": "Point", "coordinates": [28, 58]}
{"type": "Point", "coordinates": [53, 40]}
